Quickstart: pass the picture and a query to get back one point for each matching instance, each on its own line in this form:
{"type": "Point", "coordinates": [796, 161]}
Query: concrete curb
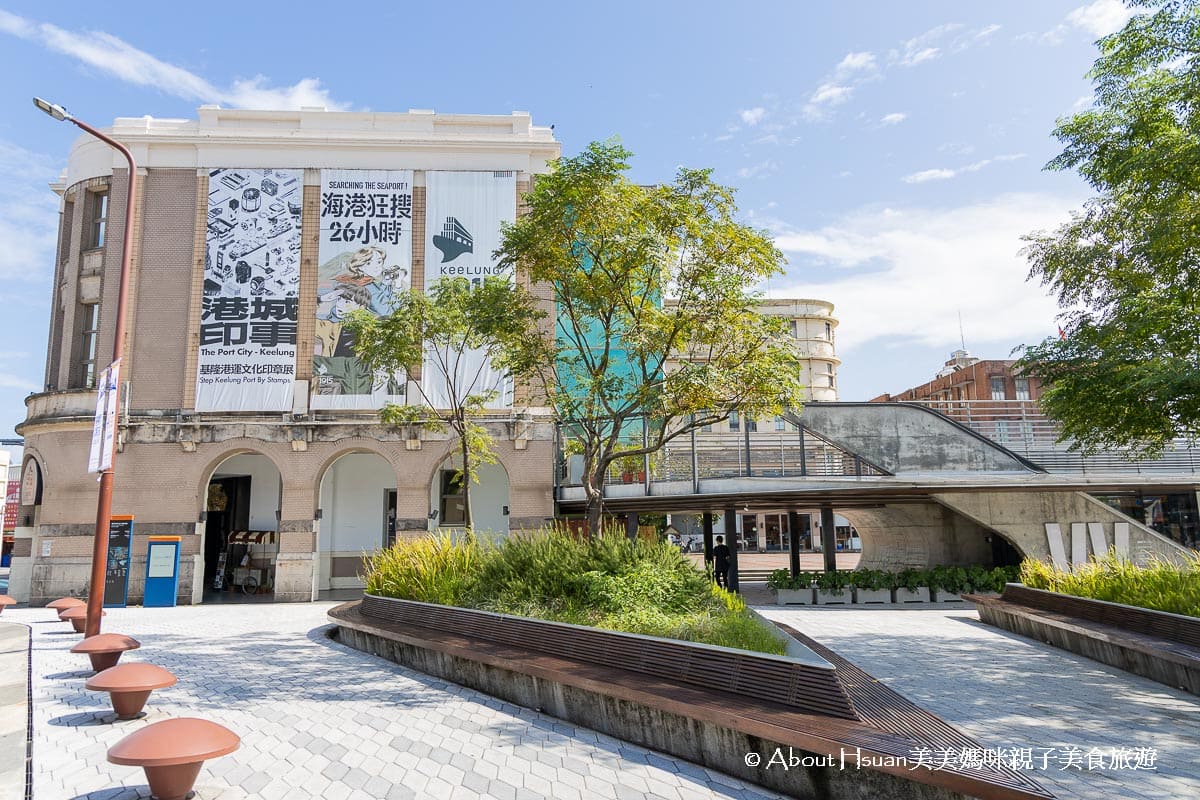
{"type": "Point", "coordinates": [15, 716]}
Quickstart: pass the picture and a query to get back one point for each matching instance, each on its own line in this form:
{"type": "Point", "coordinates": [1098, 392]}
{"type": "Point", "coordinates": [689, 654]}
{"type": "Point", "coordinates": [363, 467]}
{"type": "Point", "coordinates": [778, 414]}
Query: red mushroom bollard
{"type": "Point", "coordinates": [129, 686]}
{"type": "Point", "coordinates": [104, 649]}
{"type": "Point", "coordinates": [77, 616]}
{"type": "Point", "coordinates": [63, 603]}
{"type": "Point", "coordinates": [5, 600]}
{"type": "Point", "coordinates": [172, 752]}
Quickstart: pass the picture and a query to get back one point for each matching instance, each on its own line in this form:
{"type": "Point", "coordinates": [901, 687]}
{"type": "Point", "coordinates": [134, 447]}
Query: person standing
{"type": "Point", "coordinates": [721, 562]}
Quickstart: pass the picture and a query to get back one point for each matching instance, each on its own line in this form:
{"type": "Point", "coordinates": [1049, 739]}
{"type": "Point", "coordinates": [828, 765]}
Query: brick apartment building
{"type": "Point", "coordinates": [245, 411]}
{"type": "Point", "coordinates": [966, 378]}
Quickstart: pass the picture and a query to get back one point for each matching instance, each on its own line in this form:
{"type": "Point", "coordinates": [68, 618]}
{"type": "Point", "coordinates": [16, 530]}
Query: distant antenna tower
{"type": "Point", "coordinates": [961, 337]}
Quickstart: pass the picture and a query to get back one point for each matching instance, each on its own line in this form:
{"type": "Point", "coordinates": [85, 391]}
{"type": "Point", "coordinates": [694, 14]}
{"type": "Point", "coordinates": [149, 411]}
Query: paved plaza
{"type": "Point", "coordinates": [1008, 691]}
{"type": "Point", "coordinates": [321, 720]}
{"type": "Point", "coordinates": [318, 719]}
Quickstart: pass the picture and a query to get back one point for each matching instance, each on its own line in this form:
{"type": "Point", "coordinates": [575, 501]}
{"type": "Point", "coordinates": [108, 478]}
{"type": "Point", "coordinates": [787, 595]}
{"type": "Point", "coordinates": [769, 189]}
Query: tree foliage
{"type": "Point", "coordinates": [435, 332]}
{"type": "Point", "coordinates": [1126, 268]}
{"type": "Point", "coordinates": [656, 314]}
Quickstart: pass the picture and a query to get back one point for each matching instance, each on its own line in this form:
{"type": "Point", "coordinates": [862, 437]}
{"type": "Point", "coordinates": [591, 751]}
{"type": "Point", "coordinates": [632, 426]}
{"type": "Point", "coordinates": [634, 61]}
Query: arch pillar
{"type": "Point", "coordinates": [296, 564]}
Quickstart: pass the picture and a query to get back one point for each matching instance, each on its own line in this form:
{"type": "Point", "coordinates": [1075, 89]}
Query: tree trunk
{"type": "Point", "coordinates": [593, 486]}
{"type": "Point", "coordinates": [468, 514]}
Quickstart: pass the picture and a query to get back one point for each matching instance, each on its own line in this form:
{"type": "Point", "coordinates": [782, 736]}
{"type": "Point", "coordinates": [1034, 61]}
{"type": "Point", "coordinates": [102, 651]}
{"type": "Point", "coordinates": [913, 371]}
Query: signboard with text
{"type": "Point", "coordinates": [116, 575]}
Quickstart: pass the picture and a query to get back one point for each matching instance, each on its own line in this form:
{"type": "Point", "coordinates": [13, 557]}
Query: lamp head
{"type": "Point", "coordinates": [58, 112]}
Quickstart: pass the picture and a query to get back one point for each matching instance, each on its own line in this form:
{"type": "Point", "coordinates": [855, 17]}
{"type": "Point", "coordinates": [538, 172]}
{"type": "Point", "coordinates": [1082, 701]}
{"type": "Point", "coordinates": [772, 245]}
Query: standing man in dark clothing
{"type": "Point", "coordinates": [721, 562]}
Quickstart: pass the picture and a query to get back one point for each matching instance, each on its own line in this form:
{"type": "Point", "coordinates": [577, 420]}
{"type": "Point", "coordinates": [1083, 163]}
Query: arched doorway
{"type": "Point", "coordinates": [489, 499]}
{"type": "Point", "coordinates": [241, 527]}
{"type": "Point", "coordinates": [358, 515]}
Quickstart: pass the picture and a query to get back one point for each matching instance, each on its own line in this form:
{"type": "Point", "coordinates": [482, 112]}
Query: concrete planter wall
{"type": "Point", "coordinates": [794, 597]}
{"type": "Point", "coordinates": [873, 596]}
{"type": "Point", "coordinates": [842, 598]}
{"type": "Point", "coordinates": [918, 595]}
{"type": "Point", "coordinates": [946, 597]}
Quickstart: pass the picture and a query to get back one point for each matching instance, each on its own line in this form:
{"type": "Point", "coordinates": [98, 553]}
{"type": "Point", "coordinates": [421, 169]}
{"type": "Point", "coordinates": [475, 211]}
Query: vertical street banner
{"type": "Point", "coordinates": [365, 258]}
{"type": "Point", "coordinates": [463, 212]}
{"type": "Point", "coordinates": [104, 426]}
{"type": "Point", "coordinates": [251, 291]}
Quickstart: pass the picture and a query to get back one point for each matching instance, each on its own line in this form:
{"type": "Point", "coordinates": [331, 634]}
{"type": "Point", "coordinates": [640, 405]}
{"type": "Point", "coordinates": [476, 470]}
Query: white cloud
{"type": "Point", "coordinates": [942, 173]}
{"type": "Point", "coordinates": [895, 118]}
{"type": "Point", "coordinates": [856, 62]}
{"type": "Point", "coordinates": [914, 269]}
{"type": "Point", "coordinates": [752, 116]}
{"type": "Point", "coordinates": [929, 175]}
{"type": "Point", "coordinates": [920, 49]}
{"type": "Point", "coordinates": [28, 213]}
{"type": "Point", "coordinates": [1101, 17]}
{"type": "Point", "coordinates": [106, 53]}
{"type": "Point", "coordinates": [761, 169]}
{"type": "Point", "coordinates": [831, 94]}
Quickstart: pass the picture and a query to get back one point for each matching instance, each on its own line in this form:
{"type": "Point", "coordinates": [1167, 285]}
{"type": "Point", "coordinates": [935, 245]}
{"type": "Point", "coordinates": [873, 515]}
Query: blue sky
{"type": "Point", "coordinates": [894, 150]}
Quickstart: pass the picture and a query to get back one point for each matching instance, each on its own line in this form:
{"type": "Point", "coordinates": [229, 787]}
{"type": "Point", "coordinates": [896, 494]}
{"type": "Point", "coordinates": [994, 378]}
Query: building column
{"type": "Point", "coordinates": [706, 523]}
{"type": "Point", "coordinates": [296, 570]}
{"type": "Point", "coordinates": [829, 538]}
{"type": "Point", "coordinates": [793, 518]}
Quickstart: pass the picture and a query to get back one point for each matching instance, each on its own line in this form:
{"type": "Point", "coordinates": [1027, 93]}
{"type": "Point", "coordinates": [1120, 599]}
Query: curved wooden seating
{"type": "Point", "coordinates": [105, 649]}
{"type": "Point", "coordinates": [129, 685]}
{"type": "Point", "coordinates": [172, 752]}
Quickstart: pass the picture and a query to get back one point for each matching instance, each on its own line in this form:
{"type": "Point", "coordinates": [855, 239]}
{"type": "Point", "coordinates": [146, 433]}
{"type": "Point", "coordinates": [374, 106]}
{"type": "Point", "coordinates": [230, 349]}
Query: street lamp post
{"type": "Point", "coordinates": [95, 604]}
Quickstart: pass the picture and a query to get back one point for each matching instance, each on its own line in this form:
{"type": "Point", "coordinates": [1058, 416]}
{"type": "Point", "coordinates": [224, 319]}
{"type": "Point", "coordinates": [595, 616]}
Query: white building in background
{"type": "Point", "coordinates": [814, 329]}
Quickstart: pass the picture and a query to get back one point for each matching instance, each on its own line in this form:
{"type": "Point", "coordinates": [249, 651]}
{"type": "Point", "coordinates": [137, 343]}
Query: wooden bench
{"type": "Point", "coordinates": [5, 600]}
{"type": "Point", "coordinates": [1154, 644]}
{"type": "Point", "coordinates": [657, 694]}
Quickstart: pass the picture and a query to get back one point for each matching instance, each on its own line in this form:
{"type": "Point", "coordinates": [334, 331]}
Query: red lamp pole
{"type": "Point", "coordinates": [95, 604]}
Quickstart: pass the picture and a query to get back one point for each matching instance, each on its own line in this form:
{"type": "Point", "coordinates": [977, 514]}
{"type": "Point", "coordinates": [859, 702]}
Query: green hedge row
{"type": "Point", "coordinates": [1159, 585]}
{"type": "Point", "coordinates": [942, 579]}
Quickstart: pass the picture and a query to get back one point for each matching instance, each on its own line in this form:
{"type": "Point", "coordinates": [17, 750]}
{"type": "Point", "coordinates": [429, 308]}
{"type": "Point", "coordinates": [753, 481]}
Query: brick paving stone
{"type": "Point", "coordinates": [320, 720]}
{"type": "Point", "coordinates": [1008, 691]}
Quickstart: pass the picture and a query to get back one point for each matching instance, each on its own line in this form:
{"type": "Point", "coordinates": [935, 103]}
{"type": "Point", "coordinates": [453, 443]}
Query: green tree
{"type": "Point", "coordinates": [454, 331]}
{"type": "Point", "coordinates": [655, 310]}
{"type": "Point", "coordinates": [1126, 268]}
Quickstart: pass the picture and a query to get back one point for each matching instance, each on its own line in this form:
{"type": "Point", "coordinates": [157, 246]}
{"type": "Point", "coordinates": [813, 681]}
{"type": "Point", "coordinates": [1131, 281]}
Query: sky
{"type": "Point", "coordinates": [895, 151]}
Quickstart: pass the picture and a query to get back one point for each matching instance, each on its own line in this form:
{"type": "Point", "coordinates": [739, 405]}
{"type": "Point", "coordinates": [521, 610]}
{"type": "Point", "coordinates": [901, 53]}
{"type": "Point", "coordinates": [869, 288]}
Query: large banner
{"type": "Point", "coordinates": [462, 230]}
{"type": "Point", "coordinates": [251, 291]}
{"type": "Point", "coordinates": [365, 261]}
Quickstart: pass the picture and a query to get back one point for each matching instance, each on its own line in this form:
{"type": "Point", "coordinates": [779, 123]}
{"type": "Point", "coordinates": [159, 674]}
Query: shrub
{"type": "Point", "coordinates": [607, 581]}
{"type": "Point", "coordinates": [1159, 585]}
{"type": "Point", "coordinates": [872, 579]}
{"type": "Point", "coordinates": [431, 569]}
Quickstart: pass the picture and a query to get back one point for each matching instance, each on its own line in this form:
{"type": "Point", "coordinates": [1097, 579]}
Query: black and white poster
{"type": "Point", "coordinates": [365, 259]}
{"type": "Point", "coordinates": [251, 291]}
{"type": "Point", "coordinates": [462, 230]}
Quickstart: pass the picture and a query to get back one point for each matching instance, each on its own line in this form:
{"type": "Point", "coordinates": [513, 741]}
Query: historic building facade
{"type": "Point", "coordinates": [248, 429]}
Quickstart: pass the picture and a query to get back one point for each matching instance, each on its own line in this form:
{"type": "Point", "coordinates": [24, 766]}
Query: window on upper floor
{"type": "Point", "coordinates": [89, 329]}
{"type": "Point", "coordinates": [734, 421]}
{"type": "Point", "coordinates": [828, 332]}
{"type": "Point", "coordinates": [97, 219]}
{"type": "Point", "coordinates": [997, 384]}
{"type": "Point", "coordinates": [1022, 385]}
{"type": "Point", "coordinates": [794, 329]}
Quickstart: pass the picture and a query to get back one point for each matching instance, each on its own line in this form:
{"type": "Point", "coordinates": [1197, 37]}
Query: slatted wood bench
{"type": "Point", "coordinates": [1154, 644]}
{"type": "Point", "coordinates": [709, 705]}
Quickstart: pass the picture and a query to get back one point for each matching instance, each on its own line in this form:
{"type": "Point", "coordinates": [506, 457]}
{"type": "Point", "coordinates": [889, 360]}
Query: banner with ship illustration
{"type": "Point", "coordinates": [365, 262]}
{"type": "Point", "coordinates": [462, 230]}
{"type": "Point", "coordinates": [247, 358]}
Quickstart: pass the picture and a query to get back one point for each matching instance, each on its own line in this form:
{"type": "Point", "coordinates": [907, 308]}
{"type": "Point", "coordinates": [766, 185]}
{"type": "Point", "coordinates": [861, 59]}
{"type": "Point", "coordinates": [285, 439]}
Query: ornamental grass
{"type": "Point", "coordinates": [606, 581]}
{"type": "Point", "coordinates": [1159, 585]}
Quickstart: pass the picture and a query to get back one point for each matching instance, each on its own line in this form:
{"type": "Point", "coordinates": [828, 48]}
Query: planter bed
{"type": "Point", "coordinates": [872, 596]}
{"type": "Point", "coordinates": [920, 595]}
{"type": "Point", "coordinates": [1154, 644]}
{"type": "Point", "coordinates": [794, 597]}
{"type": "Point", "coordinates": [710, 705]}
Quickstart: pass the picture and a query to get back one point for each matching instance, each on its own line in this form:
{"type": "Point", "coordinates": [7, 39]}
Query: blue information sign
{"type": "Point", "coordinates": [162, 571]}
